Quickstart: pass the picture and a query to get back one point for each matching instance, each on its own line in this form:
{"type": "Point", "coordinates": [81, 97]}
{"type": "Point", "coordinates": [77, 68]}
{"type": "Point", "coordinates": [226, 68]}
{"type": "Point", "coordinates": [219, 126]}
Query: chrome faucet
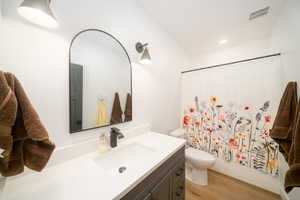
{"type": "Point", "coordinates": [115, 134]}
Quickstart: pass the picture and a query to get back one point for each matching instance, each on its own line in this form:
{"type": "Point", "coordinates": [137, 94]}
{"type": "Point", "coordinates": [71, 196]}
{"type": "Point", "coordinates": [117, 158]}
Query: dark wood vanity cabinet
{"type": "Point", "coordinates": [165, 183]}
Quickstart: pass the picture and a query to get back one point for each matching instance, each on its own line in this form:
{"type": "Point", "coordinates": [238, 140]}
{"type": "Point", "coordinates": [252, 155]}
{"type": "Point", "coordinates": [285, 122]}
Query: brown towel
{"type": "Point", "coordinates": [282, 130]}
{"type": "Point", "coordinates": [116, 114]}
{"type": "Point", "coordinates": [8, 113]}
{"type": "Point", "coordinates": [128, 109]}
{"type": "Point", "coordinates": [292, 177]}
{"type": "Point", "coordinates": [23, 137]}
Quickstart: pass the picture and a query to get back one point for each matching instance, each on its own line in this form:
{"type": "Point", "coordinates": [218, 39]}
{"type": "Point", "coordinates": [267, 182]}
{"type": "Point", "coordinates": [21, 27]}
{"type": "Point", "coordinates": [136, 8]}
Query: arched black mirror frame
{"type": "Point", "coordinates": [70, 53]}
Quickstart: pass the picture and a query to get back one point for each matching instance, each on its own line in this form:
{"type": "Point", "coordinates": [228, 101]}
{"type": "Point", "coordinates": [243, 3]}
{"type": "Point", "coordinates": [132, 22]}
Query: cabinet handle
{"type": "Point", "coordinates": [179, 172]}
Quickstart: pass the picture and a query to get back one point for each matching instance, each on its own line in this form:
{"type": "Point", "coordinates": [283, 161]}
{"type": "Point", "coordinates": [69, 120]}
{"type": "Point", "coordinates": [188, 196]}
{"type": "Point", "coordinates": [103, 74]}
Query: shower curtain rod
{"type": "Point", "coordinates": [231, 63]}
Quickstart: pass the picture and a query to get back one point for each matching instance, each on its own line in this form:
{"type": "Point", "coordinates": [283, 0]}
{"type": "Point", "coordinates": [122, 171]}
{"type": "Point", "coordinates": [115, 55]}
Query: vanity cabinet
{"type": "Point", "coordinates": [165, 183]}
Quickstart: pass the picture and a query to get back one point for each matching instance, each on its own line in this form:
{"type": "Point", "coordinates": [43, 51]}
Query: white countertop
{"type": "Point", "coordinates": [82, 179]}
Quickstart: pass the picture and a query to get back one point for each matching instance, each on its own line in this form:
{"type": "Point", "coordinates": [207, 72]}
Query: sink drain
{"type": "Point", "coordinates": [122, 169]}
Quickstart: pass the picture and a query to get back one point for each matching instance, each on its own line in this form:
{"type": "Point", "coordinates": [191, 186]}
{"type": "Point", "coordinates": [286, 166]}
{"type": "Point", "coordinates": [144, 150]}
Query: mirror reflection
{"type": "Point", "coordinates": [100, 81]}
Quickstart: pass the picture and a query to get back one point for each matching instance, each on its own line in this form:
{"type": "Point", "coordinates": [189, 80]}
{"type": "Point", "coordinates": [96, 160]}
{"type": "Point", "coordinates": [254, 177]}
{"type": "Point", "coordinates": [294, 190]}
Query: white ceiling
{"type": "Point", "coordinates": [198, 25]}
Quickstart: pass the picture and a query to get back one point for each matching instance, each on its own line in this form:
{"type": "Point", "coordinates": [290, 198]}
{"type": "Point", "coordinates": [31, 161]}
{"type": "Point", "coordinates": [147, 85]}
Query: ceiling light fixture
{"type": "Point", "coordinates": [38, 12]}
{"type": "Point", "coordinates": [143, 48]}
{"type": "Point", "coordinates": [224, 41]}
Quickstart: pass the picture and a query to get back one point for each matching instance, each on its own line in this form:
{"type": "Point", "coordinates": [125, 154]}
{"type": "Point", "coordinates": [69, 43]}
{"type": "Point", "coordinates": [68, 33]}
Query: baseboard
{"type": "Point", "coordinates": [248, 175]}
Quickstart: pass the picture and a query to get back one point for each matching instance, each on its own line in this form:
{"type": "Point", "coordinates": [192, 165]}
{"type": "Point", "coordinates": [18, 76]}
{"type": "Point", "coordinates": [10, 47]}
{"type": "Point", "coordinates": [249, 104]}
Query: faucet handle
{"type": "Point", "coordinates": [115, 134]}
{"type": "Point", "coordinates": [115, 130]}
{"type": "Point", "coordinates": [118, 132]}
{"type": "Point", "coordinates": [120, 136]}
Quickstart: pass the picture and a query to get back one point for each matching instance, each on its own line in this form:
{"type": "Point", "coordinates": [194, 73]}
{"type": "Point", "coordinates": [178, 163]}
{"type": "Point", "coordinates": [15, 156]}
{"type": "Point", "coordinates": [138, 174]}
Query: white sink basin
{"type": "Point", "coordinates": [125, 158]}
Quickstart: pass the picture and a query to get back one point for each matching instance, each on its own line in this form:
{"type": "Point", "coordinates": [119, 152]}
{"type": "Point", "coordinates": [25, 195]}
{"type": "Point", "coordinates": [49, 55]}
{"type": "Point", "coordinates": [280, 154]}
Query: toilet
{"type": "Point", "coordinates": [197, 162]}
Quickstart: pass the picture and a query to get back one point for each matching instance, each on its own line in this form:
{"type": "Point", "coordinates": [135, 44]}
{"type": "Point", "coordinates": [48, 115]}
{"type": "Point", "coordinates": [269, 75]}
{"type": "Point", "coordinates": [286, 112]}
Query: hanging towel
{"type": "Point", "coordinates": [292, 177]}
{"type": "Point", "coordinates": [116, 114]}
{"type": "Point", "coordinates": [23, 138]}
{"type": "Point", "coordinates": [128, 109]}
{"type": "Point", "coordinates": [101, 115]}
{"type": "Point", "coordinates": [282, 130]}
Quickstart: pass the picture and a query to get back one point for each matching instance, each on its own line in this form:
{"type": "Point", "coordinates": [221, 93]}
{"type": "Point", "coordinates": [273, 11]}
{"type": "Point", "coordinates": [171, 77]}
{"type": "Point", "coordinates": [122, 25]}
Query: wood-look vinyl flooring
{"type": "Point", "coordinates": [223, 187]}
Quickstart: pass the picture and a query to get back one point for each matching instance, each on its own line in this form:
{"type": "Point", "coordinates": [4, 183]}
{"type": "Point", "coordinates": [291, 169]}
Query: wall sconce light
{"type": "Point", "coordinates": [38, 12]}
{"type": "Point", "coordinates": [142, 48]}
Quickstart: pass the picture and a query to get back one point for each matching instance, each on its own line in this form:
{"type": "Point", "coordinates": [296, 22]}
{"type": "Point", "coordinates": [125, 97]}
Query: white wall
{"type": "Point", "coordinates": [0, 9]}
{"type": "Point", "coordinates": [0, 13]}
{"type": "Point", "coordinates": [285, 39]}
{"type": "Point", "coordinates": [244, 51]}
{"type": "Point", "coordinates": [39, 58]}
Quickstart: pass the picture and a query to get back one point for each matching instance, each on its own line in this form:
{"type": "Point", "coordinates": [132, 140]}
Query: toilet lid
{"type": "Point", "coordinates": [198, 154]}
{"type": "Point", "coordinates": [177, 133]}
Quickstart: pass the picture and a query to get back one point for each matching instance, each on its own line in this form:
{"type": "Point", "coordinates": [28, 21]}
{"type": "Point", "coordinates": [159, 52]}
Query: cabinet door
{"type": "Point", "coordinates": [178, 183]}
{"type": "Point", "coordinates": [162, 191]}
{"type": "Point", "coordinates": [148, 197]}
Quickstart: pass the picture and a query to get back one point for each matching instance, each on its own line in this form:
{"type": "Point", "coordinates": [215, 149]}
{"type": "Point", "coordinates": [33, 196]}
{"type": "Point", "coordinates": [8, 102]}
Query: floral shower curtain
{"type": "Point", "coordinates": [229, 112]}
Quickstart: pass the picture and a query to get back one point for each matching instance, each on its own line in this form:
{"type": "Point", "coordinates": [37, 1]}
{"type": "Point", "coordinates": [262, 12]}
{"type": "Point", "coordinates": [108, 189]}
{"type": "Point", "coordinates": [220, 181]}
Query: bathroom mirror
{"type": "Point", "coordinates": [100, 81]}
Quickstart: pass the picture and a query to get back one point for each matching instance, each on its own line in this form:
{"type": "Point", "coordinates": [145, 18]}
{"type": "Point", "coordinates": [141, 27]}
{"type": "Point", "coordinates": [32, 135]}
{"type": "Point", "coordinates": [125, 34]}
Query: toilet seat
{"type": "Point", "coordinates": [192, 153]}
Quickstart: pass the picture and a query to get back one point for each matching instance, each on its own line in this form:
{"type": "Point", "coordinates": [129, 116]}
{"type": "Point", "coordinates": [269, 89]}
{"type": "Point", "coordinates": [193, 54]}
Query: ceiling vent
{"type": "Point", "coordinates": [259, 13]}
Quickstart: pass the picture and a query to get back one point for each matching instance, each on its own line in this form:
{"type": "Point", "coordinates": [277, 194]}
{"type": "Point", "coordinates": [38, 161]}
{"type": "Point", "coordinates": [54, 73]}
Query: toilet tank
{"type": "Point", "coordinates": [177, 133]}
